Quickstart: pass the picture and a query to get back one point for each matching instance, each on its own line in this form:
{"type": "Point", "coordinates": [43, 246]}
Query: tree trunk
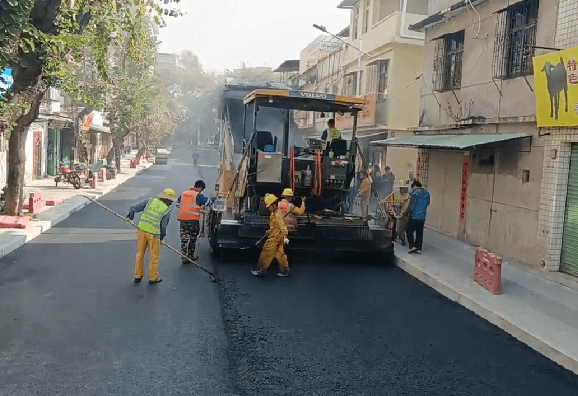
{"type": "Point", "coordinates": [28, 88]}
{"type": "Point", "coordinates": [17, 158]}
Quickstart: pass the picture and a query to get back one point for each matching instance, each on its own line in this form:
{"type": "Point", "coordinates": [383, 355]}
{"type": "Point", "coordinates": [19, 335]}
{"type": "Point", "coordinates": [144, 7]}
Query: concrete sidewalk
{"type": "Point", "coordinates": [12, 239]}
{"type": "Point", "coordinates": [539, 312]}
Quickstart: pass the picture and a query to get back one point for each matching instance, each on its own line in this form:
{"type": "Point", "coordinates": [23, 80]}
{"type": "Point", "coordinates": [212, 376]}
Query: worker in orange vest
{"type": "Point", "coordinates": [289, 210]}
{"type": "Point", "coordinates": [189, 204]}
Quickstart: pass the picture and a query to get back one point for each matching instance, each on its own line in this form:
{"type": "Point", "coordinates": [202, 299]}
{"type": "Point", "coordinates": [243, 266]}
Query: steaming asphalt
{"type": "Point", "coordinates": [72, 322]}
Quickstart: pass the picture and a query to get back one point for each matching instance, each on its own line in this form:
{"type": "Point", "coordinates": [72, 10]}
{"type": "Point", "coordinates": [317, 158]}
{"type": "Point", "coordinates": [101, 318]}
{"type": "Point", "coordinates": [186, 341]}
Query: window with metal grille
{"type": "Point", "coordinates": [448, 62]}
{"type": "Point", "coordinates": [515, 40]}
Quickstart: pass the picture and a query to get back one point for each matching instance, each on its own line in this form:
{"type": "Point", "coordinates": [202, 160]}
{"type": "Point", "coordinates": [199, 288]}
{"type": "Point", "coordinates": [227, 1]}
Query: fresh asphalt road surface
{"type": "Point", "coordinates": [72, 322]}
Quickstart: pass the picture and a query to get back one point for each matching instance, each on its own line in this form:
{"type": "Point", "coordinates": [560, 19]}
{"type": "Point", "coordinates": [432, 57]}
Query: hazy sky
{"type": "Point", "coordinates": [224, 33]}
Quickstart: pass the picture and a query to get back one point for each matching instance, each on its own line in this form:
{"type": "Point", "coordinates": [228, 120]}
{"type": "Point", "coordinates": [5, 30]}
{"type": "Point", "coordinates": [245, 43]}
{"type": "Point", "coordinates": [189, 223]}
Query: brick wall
{"type": "Point", "coordinates": [567, 28]}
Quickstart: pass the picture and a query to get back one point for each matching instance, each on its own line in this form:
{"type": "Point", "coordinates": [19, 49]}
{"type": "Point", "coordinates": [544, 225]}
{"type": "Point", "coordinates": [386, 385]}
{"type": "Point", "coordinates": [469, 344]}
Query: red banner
{"type": "Point", "coordinates": [87, 123]}
{"type": "Point", "coordinates": [465, 184]}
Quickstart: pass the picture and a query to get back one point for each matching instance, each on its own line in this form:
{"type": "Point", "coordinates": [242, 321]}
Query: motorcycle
{"type": "Point", "coordinates": [67, 175]}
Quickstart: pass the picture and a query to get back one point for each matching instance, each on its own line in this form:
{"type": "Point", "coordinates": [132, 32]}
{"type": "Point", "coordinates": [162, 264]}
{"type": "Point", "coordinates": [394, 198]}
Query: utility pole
{"type": "Point", "coordinates": [359, 53]}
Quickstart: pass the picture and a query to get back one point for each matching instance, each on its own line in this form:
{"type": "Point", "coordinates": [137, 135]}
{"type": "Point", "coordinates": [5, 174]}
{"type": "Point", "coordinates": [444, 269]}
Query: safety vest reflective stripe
{"type": "Point", "coordinates": [189, 210]}
{"type": "Point", "coordinates": [289, 217]}
{"type": "Point", "coordinates": [152, 217]}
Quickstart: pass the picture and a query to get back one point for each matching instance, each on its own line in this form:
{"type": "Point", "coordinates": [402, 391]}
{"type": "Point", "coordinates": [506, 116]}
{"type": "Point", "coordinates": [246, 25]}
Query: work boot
{"type": "Point", "coordinates": [152, 282]}
{"type": "Point", "coordinates": [257, 272]}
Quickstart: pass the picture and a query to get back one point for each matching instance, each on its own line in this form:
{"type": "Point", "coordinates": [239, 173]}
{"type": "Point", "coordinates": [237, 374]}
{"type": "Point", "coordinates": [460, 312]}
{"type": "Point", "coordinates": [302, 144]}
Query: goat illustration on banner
{"type": "Point", "coordinates": [556, 81]}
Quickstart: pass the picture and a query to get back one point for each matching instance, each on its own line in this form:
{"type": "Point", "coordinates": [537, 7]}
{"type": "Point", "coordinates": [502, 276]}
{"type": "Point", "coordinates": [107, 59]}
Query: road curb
{"type": "Point", "coordinates": [55, 215]}
{"type": "Point", "coordinates": [486, 313]}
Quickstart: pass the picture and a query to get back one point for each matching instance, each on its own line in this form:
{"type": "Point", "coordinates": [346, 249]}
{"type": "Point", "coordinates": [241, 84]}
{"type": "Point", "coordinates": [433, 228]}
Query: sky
{"type": "Point", "coordinates": [224, 33]}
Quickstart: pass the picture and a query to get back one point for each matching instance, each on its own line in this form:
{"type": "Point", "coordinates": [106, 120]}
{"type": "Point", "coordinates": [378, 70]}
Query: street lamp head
{"type": "Point", "coordinates": [322, 28]}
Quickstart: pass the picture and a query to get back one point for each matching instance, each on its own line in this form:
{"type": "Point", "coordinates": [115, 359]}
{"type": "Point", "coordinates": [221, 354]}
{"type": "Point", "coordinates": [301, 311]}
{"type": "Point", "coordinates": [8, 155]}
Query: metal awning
{"type": "Point", "coordinates": [347, 4]}
{"type": "Point", "coordinates": [458, 142]}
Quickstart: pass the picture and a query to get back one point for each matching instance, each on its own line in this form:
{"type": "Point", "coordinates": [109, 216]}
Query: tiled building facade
{"type": "Point", "coordinates": [557, 150]}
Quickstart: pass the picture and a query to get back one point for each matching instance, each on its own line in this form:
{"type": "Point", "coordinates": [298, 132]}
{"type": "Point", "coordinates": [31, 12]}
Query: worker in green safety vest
{"type": "Point", "coordinates": [152, 229]}
{"type": "Point", "coordinates": [331, 133]}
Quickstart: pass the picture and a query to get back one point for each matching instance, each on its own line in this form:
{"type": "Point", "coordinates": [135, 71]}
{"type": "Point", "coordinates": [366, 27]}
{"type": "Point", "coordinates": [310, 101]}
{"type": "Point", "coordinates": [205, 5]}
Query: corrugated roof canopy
{"type": "Point", "coordinates": [459, 142]}
{"type": "Point", "coordinates": [348, 4]}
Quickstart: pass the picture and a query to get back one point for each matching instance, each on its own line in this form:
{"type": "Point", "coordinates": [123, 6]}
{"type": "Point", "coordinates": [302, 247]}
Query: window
{"type": "Point", "coordinates": [417, 7]}
{"type": "Point", "coordinates": [382, 82]}
{"type": "Point", "coordinates": [448, 62]}
{"type": "Point", "coordinates": [354, 23]}
{"type": "Point", "coordinates": [377, 78]}
{"type": "Point", "coordinates": [515, 40]}
{"type": "Point", "coordinates": [351, 83]}
{"type": "Point", "coordinates": [371, 78]}
{"type": "Point", "coordinates": [383, 8]}
{"type": "Point", "coordinates": [366, 16]}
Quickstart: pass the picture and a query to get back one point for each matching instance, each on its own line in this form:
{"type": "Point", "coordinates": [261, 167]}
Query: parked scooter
{"type": "Point", "coordinates": [67, 175]}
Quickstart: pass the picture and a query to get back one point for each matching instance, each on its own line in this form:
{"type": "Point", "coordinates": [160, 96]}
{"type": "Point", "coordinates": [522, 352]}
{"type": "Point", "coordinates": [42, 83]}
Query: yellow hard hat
{"type": "Point", "coordinates": [270, 199]}
{"type": "Point", "coordinates": [168, 193]}
{"type": "Point", "coordinates": [287, 193]}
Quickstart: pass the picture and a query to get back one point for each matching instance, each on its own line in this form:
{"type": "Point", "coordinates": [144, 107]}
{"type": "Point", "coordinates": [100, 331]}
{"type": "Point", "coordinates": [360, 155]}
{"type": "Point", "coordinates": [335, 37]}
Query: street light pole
{"type": "Point", "coordinates": [359, 52]}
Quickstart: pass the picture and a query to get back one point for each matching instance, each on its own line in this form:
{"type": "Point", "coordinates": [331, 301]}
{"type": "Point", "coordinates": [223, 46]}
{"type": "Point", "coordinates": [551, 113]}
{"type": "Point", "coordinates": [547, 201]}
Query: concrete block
{"type": "Point", "coordinates": [14, 221]}
{"type": "Point", "coordinates": [93, 182]}
{"type": "Point", "coordinates": [53, 201]}
{"type": "Point", "coordinates": [35, 202]}
{"type": "Point", "coordinates": [488, 271]}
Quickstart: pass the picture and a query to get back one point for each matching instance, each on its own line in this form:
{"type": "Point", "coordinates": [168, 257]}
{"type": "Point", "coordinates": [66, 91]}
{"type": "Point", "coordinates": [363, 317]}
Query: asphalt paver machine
{"type": "Point", "coordinates": [272, 159]}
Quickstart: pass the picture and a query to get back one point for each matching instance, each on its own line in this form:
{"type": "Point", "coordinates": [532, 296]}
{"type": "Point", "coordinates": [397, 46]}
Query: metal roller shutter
{"type": "Point", "coordinates": [570, 238]}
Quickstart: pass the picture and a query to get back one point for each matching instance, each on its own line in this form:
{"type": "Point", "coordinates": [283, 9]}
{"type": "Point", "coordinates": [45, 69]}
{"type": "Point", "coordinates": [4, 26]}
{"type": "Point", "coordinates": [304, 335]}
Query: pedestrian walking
{"type": "Point", "coordinates": [274, 248]}
{"type": "Point", "coordinates": [364, 194]}
{"type": "Point", "coordinates": [420, 200]}
{"type": "Point", "coordinates": [196, 156]}
{"type": "Point", "coordinates": [289, 210]}
{"type": "Point", "coordinates": [152, 229]}
{"type": "Point", "coordinates": [189, 204]}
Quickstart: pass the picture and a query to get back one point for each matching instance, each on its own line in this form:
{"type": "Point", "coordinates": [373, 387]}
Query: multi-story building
{"type": "Point", "coordinates": [320, 70]}
{"type": "Point", "coordinates": [387, 73]}
{"type": "Point", "coordinates": [482, 156]}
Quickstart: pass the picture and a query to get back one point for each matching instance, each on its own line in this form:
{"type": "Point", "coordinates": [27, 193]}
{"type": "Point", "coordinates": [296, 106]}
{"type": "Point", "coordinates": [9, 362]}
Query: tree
{"type": "Point", "coordinates": [46, 42]}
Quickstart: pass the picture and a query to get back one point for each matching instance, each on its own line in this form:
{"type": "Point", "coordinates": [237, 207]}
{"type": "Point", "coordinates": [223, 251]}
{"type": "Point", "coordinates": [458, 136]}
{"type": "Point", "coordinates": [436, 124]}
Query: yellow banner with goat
{"type": "Point", "coordinates": [556, 79]}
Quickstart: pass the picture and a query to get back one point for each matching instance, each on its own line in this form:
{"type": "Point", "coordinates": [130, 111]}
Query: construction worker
{"type": "Point", "coordinates": [152, 229]}
{"type": "Point", "coordinates": [401, 201]}
{"type": "Point", "coordinates": [331, 133]}
{"type": "Point", "coordinates": [276, 240]}
{"type": "Point", "coordinates": [289, 210]}
{"type": "Point", "coordinates": [364, 193]}
{"type": "Point", "coordinates": [189, 204]}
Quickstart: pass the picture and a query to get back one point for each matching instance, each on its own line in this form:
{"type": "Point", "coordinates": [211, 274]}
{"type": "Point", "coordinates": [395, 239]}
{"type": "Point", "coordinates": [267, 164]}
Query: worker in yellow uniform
{"type": "Point", "coordinates": [152, 229]}
{"type": "Point", "coordinates": [289, 210]}
{"type": "Point", "coordinates": [276, 240]}
{"type": "Point", "coordinates": [331, 133]}
{"type": "Point", "coordinates": [364, 193]}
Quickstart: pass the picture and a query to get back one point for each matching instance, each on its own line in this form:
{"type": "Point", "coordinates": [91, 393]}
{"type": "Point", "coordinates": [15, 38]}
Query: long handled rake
{"type": "Point", "coordinates": [212, 274]}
